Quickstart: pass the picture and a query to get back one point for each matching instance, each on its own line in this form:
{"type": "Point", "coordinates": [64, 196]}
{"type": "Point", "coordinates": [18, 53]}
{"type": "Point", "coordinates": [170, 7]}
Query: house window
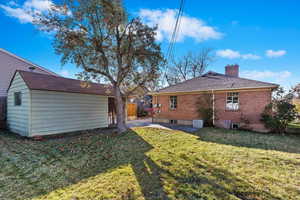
{"type": "Point", "coordinates": [173, 102]}
{"type": "Point", "coordinates": [232, 102]}
{"type": "Point", "coordinates": [235, 125]}
{"type": "Point", "coordinates": [173, 121]}
{"type": "Point", "coordinates": [18, 98]}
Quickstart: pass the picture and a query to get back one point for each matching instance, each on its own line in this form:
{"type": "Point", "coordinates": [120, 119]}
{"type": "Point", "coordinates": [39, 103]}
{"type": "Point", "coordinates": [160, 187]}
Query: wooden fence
{"type": "Point", "coordinates": [131, 111]}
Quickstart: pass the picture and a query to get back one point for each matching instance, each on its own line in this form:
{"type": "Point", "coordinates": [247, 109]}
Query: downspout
{"type": "Point", "coordinates": [213, 108]}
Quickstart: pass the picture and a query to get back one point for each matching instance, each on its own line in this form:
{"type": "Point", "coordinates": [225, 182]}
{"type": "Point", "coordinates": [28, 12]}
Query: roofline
{"type": "Point", "coordinates": [220, 74]}
{"type": "Point", "coordinates": [30, 63]}
{"type": "Point", "coordinates": [70, 92]}
{"type": "Point", "coordinates": [18, 71]}
{"type": "Point", "coordinates": [221, 89]}
{"type": "Point", "coordinates": [11, 80]}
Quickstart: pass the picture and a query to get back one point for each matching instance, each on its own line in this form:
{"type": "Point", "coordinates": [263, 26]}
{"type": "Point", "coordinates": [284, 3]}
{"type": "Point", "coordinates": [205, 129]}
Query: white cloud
{"type": "Point", "coordinates": [19, 13]}
{"type": "Point", "coordinates": [25, 13]}
{"type": "Point", "coordinates": [228, 53]}
{"type": "Point", "coordinates": [261, 75]}
{"type": "Point", "coordinates": [190, 27]}
{"type": "Point", "coordinates": [65, 73]}
{"type": "Point", "coordinates": [231, 54]}
{"type": "Point", "coordinates": [274, 54]}
{"type": "Point", "coordinates": [39, 5]}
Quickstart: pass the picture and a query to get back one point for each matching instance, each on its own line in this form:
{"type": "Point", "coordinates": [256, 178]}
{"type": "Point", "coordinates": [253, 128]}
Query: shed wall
{"type": "Point", "coordinates": [59, 112]}
{"type": "Point", "coordinates": [18, 116]}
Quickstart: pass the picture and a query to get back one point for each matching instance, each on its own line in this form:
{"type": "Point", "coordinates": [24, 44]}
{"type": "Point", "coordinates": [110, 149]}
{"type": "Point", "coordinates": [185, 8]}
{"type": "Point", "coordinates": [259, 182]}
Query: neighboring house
{"type": "Point", "coordinates": [143, 104]}
{"type": "Point", "coordinates": [40, 104]}
{"type": "Point", "coordinates": [9, 63]}
{"type": "Point", "coordinates": [236, 100]}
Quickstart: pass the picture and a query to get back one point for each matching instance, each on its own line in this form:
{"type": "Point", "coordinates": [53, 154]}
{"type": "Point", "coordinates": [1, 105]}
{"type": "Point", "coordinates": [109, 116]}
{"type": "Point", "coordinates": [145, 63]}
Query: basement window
{"type": "Point", "coordinates": [173, 121]}
{"type": "Point", "coordinates": [235, 126]}
{"type": "Point", "coordinates": [232, 101]}
{"type": "Point", "coordinates": [18, 98]}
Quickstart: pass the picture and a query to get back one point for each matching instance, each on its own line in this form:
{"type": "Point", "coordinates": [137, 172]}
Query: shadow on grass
{"type": "Point", "coordinates": [266, 141]}
{"type": "Point", "coordinates": [217, 182]}
{"type": "Point", "coordinates": [38, 168]}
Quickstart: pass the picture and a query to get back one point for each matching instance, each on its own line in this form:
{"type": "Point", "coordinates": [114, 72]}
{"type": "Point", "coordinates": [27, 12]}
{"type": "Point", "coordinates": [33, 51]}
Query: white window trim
{"type": "Point", "coordinates": [232, 108]}
{"type": "Point", "coordinates": [21, 100]}
{"type": "Point", "coordinates": [172, 104]}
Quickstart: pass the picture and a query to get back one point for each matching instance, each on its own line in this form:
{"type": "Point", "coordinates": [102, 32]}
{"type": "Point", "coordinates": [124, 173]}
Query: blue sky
{"type": "Point", "coordinates": [262, 36]}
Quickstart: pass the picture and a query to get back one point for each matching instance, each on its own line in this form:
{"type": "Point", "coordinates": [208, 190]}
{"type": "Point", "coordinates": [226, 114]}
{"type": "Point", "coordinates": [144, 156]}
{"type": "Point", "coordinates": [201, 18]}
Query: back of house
{"type": "Point", "coordinates": [9, 63]}
{"type": "Point", "coordinates": [235, 102]}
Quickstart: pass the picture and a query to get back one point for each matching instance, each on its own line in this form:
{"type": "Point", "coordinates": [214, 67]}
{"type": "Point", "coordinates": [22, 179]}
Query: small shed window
{"type": "Point", "coordinates": [232, 101]}
{"type": "Point", "coordinates": [173, 102]}
{"type": "Point", "coordinates": [18, 98]}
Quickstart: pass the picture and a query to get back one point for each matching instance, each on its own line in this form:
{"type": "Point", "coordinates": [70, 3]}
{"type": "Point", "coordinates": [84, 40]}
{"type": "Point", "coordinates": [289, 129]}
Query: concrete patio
{"type": "Point", "coordinates": [147, 122]}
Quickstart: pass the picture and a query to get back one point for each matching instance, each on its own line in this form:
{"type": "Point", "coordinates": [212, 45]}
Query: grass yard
{"type": "Point", "coordinates": [149, 164]}
{"type": "Point", "coordinates": [294, 125]}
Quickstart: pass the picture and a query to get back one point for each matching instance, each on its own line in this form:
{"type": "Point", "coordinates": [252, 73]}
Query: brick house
{"type": "Point", "coordinates": [235, 101]}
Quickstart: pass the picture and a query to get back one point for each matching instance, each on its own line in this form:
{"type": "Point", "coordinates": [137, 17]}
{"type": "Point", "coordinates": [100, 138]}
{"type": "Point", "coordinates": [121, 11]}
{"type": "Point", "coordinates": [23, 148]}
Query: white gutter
{"type": "Point", "coordinates": [222, 89]}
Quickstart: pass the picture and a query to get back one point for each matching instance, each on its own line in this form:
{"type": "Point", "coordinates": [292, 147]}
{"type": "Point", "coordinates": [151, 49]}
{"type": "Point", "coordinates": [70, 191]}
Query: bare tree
{"type": "Point", "coordinates": [98, 36]}
{"type": "Point", "coordinates": [189, 66]}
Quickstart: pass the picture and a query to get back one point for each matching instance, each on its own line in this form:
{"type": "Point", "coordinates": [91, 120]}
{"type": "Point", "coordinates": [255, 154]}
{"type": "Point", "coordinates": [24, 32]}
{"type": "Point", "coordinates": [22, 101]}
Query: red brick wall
{"type": "Point", "coordinates": [251, 104]}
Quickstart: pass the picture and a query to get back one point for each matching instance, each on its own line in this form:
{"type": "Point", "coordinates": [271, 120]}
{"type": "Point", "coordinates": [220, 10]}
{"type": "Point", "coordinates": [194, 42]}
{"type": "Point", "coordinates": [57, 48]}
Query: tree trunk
{"type": "Point", "coordinates": [120, 107]}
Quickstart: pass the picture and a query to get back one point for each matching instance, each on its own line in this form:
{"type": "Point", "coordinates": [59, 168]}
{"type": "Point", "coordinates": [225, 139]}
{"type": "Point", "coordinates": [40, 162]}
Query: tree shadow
{"type": "Point", "coordinates": [217, 182]}
{"type": "Point", "coordinates": [265, 141]}
{"type": "Point", "coordinates": [72, 159]}
{"type": "Point", "coordinates": [40, 168]}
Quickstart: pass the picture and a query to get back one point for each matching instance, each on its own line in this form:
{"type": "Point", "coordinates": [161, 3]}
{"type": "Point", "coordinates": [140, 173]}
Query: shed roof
{"type": "Point", "coordinates": [216, 81]}
{"type": "Point", "coordinates": [37, 81]}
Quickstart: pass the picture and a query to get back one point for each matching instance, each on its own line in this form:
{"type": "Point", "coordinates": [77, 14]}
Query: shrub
{"type": "Point", "coordinates": [280, 112]}
{"type": "Point", "coordinates": [205, 109]}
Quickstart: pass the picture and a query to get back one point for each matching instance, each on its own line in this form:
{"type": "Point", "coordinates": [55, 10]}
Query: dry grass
{"type": "Point", "coordinates": [149, 164]}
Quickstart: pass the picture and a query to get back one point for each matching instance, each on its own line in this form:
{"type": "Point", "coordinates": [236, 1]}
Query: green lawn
{"type": "Point", "coordinates": [294, 125]}
{"type": "Point", "coordinates": [149, 164]}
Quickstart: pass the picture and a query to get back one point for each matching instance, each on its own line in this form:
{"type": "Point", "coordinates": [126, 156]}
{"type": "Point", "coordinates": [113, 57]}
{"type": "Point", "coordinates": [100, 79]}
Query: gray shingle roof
{"type": "Point", "coordinates": [216, 81]}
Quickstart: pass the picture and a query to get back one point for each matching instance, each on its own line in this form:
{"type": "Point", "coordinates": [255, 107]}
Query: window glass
{"type": "Point", "coordinates": [173, 102]}
{"type": "Point", "coordinates": [18, 98]}
{"type": "Point", "coordinates": [232, 101]}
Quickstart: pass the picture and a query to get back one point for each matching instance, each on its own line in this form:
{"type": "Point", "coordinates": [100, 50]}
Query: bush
{"type": "Point", "coordinates": [279, 113]}
{"type": "Point", "coordinates": [205, 109]}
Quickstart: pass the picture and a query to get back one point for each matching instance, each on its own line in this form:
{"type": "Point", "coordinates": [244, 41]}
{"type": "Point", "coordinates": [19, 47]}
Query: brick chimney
{"type": "Point", "coordinates": [232, 70]}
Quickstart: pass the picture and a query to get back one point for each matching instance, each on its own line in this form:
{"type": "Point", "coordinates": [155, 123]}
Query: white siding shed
{"type": "Point", "coordinates": [47, 109]}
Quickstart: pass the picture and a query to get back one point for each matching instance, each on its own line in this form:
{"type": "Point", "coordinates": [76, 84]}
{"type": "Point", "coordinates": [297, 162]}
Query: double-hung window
{"type": "Point", "coordinates": [173, 102]}
{"type": "Point", "coordinates": [232, 101]}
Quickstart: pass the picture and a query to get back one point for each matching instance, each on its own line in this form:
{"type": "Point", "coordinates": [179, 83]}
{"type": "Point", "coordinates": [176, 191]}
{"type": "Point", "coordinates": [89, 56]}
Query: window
{"type": "Point", "coordinates": [173, 102]}
{"type": "Point", "coordinates": [18, 98]}
{"type": "Point", "coordinates": [232, 102]}
{"type": "Point", "coordinates": [173, 121]}
{"type": "Point", "coordinates": [235, 125]}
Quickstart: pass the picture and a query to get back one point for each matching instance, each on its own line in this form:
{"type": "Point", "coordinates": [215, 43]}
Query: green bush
{"type": "Point", "coordinates": [279, 113]}
{"type": "Point", "coordinates": [205, 109]}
